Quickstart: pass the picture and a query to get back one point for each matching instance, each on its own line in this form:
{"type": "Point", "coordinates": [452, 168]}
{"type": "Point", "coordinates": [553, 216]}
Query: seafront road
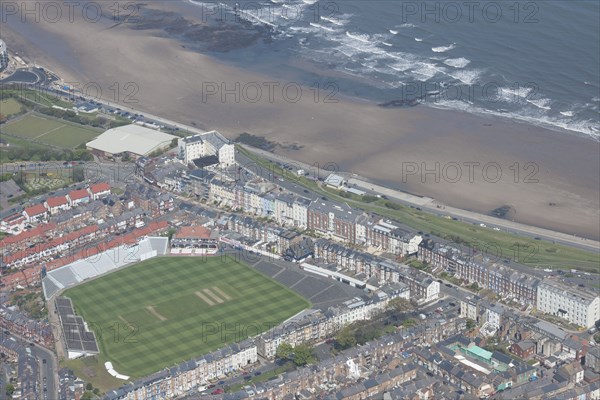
{"type": "Point", "coordinates": [435, 207]}
{"type": "Point", "coordinates": [425, 203]}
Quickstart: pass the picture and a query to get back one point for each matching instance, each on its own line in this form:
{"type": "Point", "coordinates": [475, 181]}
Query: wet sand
{"type": "Point", "coordinates": [557, 185]}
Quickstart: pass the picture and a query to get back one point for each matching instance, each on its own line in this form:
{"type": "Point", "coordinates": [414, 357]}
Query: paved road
{"type": "Point", "coordinates": [48, 369]}
{"type": "Point", "coordinates": [25, 75]}
{"type": "Point", "coordinates": [289, 185]}
{"type": "Point", "coordinates": [431, 205]}
{"type": "Point", "coordinates": [427, 204]}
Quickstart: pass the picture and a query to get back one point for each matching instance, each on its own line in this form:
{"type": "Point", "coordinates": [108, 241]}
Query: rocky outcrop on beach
{"type": "Point", "coordinates": [216, 35]}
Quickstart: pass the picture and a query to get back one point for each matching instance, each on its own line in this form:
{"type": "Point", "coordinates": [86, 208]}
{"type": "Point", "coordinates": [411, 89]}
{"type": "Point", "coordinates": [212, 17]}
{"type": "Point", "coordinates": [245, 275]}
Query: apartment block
{"type": "Point", "coordinates": [575, 304]}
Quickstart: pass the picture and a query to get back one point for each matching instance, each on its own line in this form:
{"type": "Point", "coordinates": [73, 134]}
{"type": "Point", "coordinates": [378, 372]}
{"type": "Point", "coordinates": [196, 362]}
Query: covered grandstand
{"type": "Point", "coordinates": [195, 240]}
{"type": "Point", "coordinates": [101, 263]}
{"type": "Point", "coordinates": [79, 340]}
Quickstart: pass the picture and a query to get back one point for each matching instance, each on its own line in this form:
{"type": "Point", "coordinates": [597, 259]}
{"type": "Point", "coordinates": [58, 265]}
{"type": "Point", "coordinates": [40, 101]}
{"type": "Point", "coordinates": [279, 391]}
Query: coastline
{"type": "Point", "coordinates": [377, 143]}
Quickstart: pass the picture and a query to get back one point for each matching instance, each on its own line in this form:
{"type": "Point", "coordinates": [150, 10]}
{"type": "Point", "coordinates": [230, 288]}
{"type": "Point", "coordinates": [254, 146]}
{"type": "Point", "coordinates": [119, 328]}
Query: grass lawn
{"type": "Point", "coordinates": [169, 309]}
{"type": "Point", "coordinates": [55, 132]}
{"type": "Point", "coordinates": [91, 369]}
{"type": "Point", "coordinates": [69, 136]}
{"type": "Point", "coordinates": [40, 97]}
{"type": "Point", "coordinates": [9, 107]}
{"type": "Point", "coordinates": [497, 245]}
{"type": "Point", "coordinates": [19, 142]}
{"type": "Point", "coordinates": [31, 126]}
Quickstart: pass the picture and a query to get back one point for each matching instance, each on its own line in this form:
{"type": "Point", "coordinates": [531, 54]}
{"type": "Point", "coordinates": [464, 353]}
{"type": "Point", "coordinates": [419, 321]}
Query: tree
{"type": "Point", "coordinates": [174, 143]}
{"type": "Point", "coordinates": [474, 286]}
{"type": "Point", "coordinates": [408, 323]}
{"type": "Point", "coordinates": [284, 351]}
{"type": "Point", "coordinates": [400, 305]}
{"type": "Point", "coordinates": [78, 174]}
{"type": "Point", "coordinates": [470, 324]}
{"type": "Point", "coordinates": [346, 338]}
{"type": "Point", "coordinates": [597, 337]}
{"type": "Point", "coordinates": [10, 389]}
{"type": "Point", "coordinates": [303, 354]}
{"type": "Point", "coordinates": [171, 232]}
{"type": "Point", "coordinates": [89, 386]}
{"type": "Point", "coordinates": [368, 331]}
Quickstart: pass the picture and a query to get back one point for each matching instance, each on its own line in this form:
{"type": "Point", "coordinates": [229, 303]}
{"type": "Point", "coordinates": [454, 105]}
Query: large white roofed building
{"type": "Point", "coordinates": [133, 139]}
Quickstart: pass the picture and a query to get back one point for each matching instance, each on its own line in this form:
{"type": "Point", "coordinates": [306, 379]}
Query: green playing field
{"type": "Point", "coordinates": [52, 131]}
{"type": "Point", "coordinates": [170, 309]}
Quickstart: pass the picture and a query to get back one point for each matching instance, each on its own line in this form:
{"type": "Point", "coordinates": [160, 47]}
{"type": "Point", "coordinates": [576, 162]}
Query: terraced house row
{"type": "Point", "coordinates": [361, 265]}
{"type": "Point", "coordinates": [364, 266]}
{"type": "Point", "coordinates": [39, 213]}
{"type": "Point", "coordinates": [44, 248]}
{"type": "Point", "coordinates": [33, 275]}
{"type": "Point", "coordinates": [330, 219]}
{"type": "Point", "coordinates": [188, 375]}
{"type": "Point", "coordinates": [309, 327]}
{"type": "Point", "coordinates": [572, 303]}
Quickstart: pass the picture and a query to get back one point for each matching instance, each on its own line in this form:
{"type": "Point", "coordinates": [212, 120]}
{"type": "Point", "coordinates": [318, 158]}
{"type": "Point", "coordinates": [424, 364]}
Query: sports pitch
{"type": "Point", "coordinates": [52, 131]}
{"type": "Point", "coordinates": [165, 310]}
{"type": "Point", "coordinates": [10, 107]}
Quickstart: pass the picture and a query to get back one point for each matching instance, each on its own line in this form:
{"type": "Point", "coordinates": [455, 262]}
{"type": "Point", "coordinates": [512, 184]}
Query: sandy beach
{"type": "Point", "coordinates": [548, 179]}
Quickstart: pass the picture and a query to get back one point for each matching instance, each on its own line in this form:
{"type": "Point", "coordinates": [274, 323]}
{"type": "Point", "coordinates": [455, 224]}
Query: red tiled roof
{"type": "Point", "coordinates": [35, 210]}
{"type": "Point", "coordinates": [69, 237]}
{"type": "Point", "coordinates": [38, 230]}
{"type": "Point", "coordinates": [99, 187]}
{"type": "Point", "coordinates": [22, 276]}
{"type": "Point", "coordinates": [13, 280]}
{"type": "Point", "coordinates": [78, 194]}
{"type": "Point", "coordinates": [198, 232]}
{"type": "Point", "coordinates": [56, 201]}
{"type": "Point", "coordinates": [13, 217]}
